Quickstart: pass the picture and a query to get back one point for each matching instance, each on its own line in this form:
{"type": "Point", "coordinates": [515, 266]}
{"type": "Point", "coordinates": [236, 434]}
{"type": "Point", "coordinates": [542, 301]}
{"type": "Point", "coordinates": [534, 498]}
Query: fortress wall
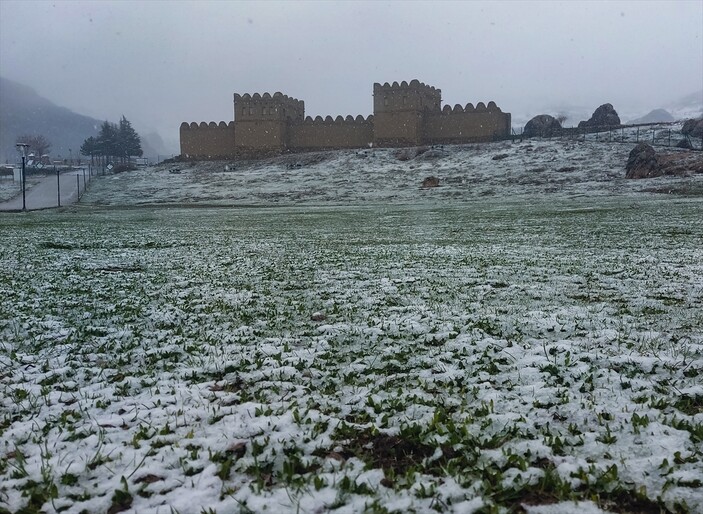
{"type": "Point", "coordinates": [405, 114]}
{"type": "Point", "coordinates": [260, 136]}
{"type": "Point", "coordinates": [405, 96]}
{"type": "Point", "coordinates": [207, 139]}
{"type": "Point", "coordinates": [339, 133]}
{"type": "Point", "coordinates": [466, 124]}
{"type": "Point", "coordinates": [267, 107]}
{"type": "Point", "coordinates": [398, 128]}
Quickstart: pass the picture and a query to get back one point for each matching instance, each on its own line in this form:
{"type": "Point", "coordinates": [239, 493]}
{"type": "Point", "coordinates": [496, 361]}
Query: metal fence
{"type": "Point", "coordinates": [655, 134]}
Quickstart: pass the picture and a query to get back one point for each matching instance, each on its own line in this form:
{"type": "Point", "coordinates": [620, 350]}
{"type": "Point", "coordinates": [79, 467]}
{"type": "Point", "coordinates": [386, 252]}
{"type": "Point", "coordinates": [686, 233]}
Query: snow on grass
{"type": "Point", "coordinates": [9, 188]}
{"type": "Point", "coordinates": [560, 169]}
{"type": "Point", "coordinates": [456, 357]}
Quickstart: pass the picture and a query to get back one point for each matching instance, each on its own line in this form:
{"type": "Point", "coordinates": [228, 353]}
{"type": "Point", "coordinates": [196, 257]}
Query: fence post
{"type": "Point", "coordinates": [669, 137]}
{"type": "Point", "coordinates": [58, 186]}
{"type": "Point", "coordinates": [654, 132]}
{"type": "Point", "coordinates": [638, 134]}
{"type": "Point", "coordinates": [83, 179]}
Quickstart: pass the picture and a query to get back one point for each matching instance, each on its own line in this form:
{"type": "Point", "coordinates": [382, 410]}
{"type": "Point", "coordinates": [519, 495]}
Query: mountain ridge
{"type": "Point", "coordinates": [24, 111]}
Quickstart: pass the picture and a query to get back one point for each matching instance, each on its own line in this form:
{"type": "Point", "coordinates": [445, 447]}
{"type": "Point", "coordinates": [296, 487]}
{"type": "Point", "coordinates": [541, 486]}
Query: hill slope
{"type": "Point", "coordinates": [23, 111]}
{"type": "Point", "coordinates": [531, 168]}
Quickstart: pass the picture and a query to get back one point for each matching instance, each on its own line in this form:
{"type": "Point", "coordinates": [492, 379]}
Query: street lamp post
{"type": "Point", "coordinates": [23, 148]}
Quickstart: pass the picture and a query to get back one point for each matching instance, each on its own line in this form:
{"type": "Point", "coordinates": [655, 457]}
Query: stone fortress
{"type": "Point", "coordinates": [405, 114]}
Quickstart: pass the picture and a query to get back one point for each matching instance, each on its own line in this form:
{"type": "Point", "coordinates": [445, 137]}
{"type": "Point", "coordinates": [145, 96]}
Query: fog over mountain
{"type": "Point", "coordinates": [161, 63]}
{"type": "Point", "coordinates": [23, 111]}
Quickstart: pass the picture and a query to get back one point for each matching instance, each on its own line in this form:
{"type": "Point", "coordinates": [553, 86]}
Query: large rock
{"type": "Point", "coordinates": [430, 182]}
{"type": "Point", "coordinates": [605, 116]}
{"type": "Point", "coordinates": [643, 163]}
{"type": "Point", "coordinates": [693, 128]}
{"type": "Point", "coordinates": [542, 125]}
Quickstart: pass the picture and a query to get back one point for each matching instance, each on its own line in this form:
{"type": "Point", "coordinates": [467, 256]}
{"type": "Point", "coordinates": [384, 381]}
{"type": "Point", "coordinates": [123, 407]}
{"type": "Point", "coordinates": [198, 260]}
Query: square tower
{"type": "Point", "coordinates": [261, 121]}
{"type": "Point", "coordinates": [399, 111]}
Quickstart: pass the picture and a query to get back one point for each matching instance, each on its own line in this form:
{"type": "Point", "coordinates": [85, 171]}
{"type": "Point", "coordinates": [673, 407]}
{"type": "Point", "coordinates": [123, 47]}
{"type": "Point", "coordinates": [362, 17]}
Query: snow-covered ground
{"type": "Point", "coordinates": [522, 337]}
{"type": "Point", "coordinates": [560, 169]}
{"type": "Point", "coordinates": [10, 189]}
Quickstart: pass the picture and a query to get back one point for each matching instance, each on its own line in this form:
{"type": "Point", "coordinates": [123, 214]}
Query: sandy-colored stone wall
{"type": "Point", "coordinates": [207, 140]}
{"type": "Point", "coordinates": [254, 136]}
{"type": "Point", "coordinates": [267, 107]}
{"type": "Point", "coordinates": [328, 133]}
{"type": "Point", "coordinates": [405, 114]}
{"type": "Point", "coordinates": [405, 96]}
{"type": "Point", "coordinates": [466, 124]}
{"type": "Point", "coordinates": [398, 128]}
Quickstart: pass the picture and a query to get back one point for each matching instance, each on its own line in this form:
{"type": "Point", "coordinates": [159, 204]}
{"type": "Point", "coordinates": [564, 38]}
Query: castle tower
{"type": "Point", "coordinates": [399, 111]}
{"type": "Point", "coordinates": [261, 121]}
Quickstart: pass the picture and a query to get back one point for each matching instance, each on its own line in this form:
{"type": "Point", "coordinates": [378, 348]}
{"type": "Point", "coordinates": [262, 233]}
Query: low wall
{"type": "Point", "coordinates": [327, 133]}
{"type": "Point", "coordinates": [207, 140]}
{"type": "Point", "coordinates": [466, 124]}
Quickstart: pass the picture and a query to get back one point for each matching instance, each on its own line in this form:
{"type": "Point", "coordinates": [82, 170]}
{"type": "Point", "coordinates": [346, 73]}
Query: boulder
{"type": "Point", "coordinates": [542, 125]}
{"type": "Point", "coordinates": [693, 128]}
{"type": "Point", "coordinates": [605, 116]}
{"type": "Point", "coordinates": [684, 143]}
{"type": "Point", "coordinates": [643, 163]}
{"type": "Point", "coordinates": [430, 182]}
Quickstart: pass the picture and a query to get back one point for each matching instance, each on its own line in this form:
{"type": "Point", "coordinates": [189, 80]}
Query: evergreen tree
{"type": "Point", "coordinates": [107, 141]}
{"type": "Point", "coordinates": [129, 142]}
{"type": "Point", "coordinates": [114, 142]}
{"type": "Point", "coordinates": [89, 148]}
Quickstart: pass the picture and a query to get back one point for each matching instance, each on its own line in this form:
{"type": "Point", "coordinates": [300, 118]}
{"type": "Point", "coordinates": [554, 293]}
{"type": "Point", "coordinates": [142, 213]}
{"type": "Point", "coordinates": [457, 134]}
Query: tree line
{"type": "Point", "coordinates": [116, 142]}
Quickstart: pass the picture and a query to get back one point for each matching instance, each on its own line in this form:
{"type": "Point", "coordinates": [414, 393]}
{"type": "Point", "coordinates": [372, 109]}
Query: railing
{"type": "Point", "coordinates": [655, 134]}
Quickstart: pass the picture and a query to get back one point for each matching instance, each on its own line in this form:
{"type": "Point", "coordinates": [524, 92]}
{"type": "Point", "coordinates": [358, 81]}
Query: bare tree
{"type": "Point", "coordinates": [39, 145]}
{"type": "Point", "coordinates": [561, 118]}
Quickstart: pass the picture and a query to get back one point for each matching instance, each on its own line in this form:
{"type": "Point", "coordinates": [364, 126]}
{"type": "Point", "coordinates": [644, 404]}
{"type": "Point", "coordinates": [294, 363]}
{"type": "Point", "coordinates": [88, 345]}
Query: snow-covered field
{"type": "Point", "coordinates": [9, 188]}
{"type": "Point", "coordinates": [526, 337]}
{"type": "Point", "coordinates": [558, 169]}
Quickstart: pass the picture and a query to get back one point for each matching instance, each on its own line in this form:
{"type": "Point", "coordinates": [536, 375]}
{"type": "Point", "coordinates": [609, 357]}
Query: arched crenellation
{"type": "Point", "coordinates": [405, 112]}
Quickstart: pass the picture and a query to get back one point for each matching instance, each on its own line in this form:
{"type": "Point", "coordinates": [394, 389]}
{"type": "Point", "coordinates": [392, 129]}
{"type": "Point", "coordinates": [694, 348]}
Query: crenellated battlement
{"type": "Point", "coordinates": [267, 107]}
{"type": "Point", "coordinates": [405, 113]}
{"type": "Point", "coordinates": [206, 125]}
{"type": "Point", "coordinates": [414, 85]}
{"type": "Point", "coordinates": [208, 139]}
{"type": "Point", "coordinates": [347, 120]}
{"type": "Point", "coordinates": [404, 97]}
{"type": "Point", "coordinates": [469, 108]}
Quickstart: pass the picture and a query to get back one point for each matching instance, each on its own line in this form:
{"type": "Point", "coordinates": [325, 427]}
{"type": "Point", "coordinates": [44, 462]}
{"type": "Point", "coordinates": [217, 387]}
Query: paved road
{"type": "Point", "coordinates": [44, 195]}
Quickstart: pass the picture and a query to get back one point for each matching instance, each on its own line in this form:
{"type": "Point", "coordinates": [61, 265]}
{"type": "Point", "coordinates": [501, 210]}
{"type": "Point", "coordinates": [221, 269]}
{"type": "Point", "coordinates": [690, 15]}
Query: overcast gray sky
{"type": "Point", "coordinates": [161, 62]}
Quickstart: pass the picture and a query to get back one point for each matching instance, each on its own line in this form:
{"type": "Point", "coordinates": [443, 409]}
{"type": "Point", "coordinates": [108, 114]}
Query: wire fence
{"type": "Point", "coordinates": [654, 134]}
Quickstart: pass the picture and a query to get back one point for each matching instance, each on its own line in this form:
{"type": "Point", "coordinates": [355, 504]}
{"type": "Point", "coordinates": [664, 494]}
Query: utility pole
{"type": "Point", "coordinates": [23, 148]}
